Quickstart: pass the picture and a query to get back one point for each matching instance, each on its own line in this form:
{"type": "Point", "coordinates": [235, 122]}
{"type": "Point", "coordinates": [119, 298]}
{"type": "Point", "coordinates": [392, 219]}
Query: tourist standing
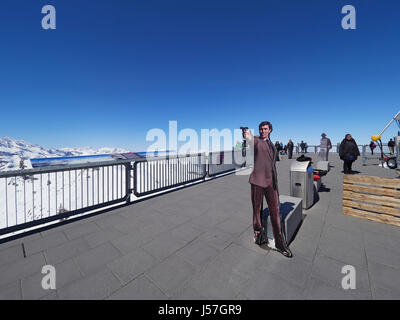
{"type": "Point", "coordinates": [302, 146]}
{"type": "Point", "coordinates": [391, 145]}
{"type": "Point", "coordinates": [324, 146]}
{"type": "Point", "coordinates": [290, 147]}
{"type": "Point", "coordinates": [278, 149]}
{"type": "Point", "coordinates": [372, 146]}
{"type": "Point", "coordinates": [348, 152]}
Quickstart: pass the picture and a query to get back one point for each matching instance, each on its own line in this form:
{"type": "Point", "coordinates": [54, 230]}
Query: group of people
{"type": "Point", "coordinates": [284, 149]}
{"type": "Point", "coordinates": [263, 179]}
{"type": "Point", "coordinates": [391, 145]}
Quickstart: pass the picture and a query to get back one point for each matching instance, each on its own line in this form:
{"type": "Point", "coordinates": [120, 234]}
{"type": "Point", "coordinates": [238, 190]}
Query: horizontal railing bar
{"type": "Point", "coordinates": [16, 173]}
{"type": "Point", "coordinates": [59, 216]}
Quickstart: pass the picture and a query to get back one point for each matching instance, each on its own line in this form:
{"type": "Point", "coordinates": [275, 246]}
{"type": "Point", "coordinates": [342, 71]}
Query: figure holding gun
{"type": "Point", "coordinates": [263, 180]}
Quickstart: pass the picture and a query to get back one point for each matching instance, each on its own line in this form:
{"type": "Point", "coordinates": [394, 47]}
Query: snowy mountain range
{"type": "Point", "coordinates": [13, 151]}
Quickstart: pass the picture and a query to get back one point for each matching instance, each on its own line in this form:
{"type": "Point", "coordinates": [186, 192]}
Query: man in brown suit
{"type": "Point", "coordinates": [264, 182]}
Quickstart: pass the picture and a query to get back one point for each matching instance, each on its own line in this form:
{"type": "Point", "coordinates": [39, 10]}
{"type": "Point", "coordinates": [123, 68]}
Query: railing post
{"type": "Point", "coordinates": [364, 155]}
{"type": "Point", "coordinates": [128, 187]}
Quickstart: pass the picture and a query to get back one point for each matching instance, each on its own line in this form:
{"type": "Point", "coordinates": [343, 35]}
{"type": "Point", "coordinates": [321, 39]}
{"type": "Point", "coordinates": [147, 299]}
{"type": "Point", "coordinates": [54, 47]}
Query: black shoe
{"type": "Point", "coordinates": [284, 249]}
{"type": "Point", "coordinates": [259, 239]}
{"type": "Point", "coordinates": [286, 252]}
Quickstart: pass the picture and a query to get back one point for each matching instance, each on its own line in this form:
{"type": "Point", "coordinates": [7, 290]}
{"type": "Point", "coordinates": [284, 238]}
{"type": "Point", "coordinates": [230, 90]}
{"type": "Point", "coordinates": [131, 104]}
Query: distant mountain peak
{"type": "Point", "coordinates": [12, 151]}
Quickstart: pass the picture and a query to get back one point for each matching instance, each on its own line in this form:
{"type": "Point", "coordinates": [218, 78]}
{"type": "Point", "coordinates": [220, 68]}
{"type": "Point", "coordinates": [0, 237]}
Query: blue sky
{"type": "Point", "coordinates": [112, 70]}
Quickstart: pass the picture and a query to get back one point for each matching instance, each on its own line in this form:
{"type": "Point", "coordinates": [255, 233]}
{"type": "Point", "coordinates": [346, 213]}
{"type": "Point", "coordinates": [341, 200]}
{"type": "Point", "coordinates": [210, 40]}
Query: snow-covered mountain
{"type": "Point", "coordinates": [13, 151]}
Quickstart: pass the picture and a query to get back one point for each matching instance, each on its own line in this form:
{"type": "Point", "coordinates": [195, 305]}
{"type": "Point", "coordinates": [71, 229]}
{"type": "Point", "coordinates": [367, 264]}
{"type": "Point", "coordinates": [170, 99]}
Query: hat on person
{"type": "Point", "coordinates": [323, 135]}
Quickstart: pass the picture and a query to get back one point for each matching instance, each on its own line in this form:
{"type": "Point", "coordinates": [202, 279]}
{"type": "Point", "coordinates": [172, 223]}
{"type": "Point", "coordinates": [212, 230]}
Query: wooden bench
{"type": "Point", "coordinates": [372, 198]}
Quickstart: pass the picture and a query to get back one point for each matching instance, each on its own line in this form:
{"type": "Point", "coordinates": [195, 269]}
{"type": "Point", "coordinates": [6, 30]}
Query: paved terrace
{"type": "Point", "coordinates": [196, 243]}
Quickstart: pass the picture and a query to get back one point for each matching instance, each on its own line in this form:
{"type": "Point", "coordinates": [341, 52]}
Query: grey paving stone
{"type": "Point", "coordinates": [342, 238]}
{"type": "Point", "coordinates": [295, 270]}
{"type": "Point", "coordinates": [384, 277]}
{"type": "Point", "coordinates": [320, 290]}
{"type": "Point", "coordinates": [269, 286]}
{"type": "Point", "coordinates": [310, 228]}
{"type": "Point", "coordinates": [383, 253]}
{"type": "Point", "coordinates": [217, 281]}
{"type": "Point", "coordinates": [43, 243]}
{"type": "Point", "coordinates": [187, 232]}
{"type": "Point", "coordinates": [96, 286]}
{"type": "Point", "coordinates": [140, 289]}
{"type": "Point", "coordinates": [171, 274]}
{"type": "Point", "coordinates": [217, 238]}
{"type": "Point", "coordinates": [384, 294]}
{"type": "Point", "coordinates": [66, 272]}
{"type": "Point", "coordinates": [100, 237]}
{"type": "Point", "coordinates": [15, 242]}
{"type": "Point", "coordinates": [130, 266]}
{"type": "Point", "coordinates": [21, 269]}
{"type": "Point", "coordinates": [11, 254]}
{"type": "Point", "coordinates": [233, 226]}
{"type": "Point", "coordinates": [343, 251]}
{"type": "Point", "coordinates": [381, 228]}
{"type": "Point", "coordinates": [188, 293]}
{"type": "Point", "coordinates": [330, 271]}
{"type": "Point", "coordinates": [96, 258]}
{"type": "Point", "coordinates": [198, 253]}
{"type": "Point", "coordinates": [77, 231]}
{"type": "Point", "coordinates": [110, 219]}
{"type": "Point", "coordinates": [130, 242]}
{"type": "Point", "coordinates": [66, 251]}
{"type": "Point", "coordinates": [163, 246]}
{"type": "Point", "coordinates": [51, 296]}
{"type": "Point", "coordinates": [381, 239]}
{"type": "Point", "coordinates": [305, 246]}
{"type": "Point", "coordinates": [344, 222]}
{"type": "Point", "coordinates": [240, 260]}
{"type": "Point", "coordinates": [11, 291]}
{"type": "Point", "coordinates": [210, 219]}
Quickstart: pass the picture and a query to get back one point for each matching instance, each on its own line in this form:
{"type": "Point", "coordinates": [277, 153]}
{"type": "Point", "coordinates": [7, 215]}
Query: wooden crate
{"type": "Point", "coordinates": [372, 198]}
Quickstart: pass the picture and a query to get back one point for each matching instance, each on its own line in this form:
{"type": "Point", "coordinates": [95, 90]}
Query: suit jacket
{"type": "Point", "coordinates": [264, 170]}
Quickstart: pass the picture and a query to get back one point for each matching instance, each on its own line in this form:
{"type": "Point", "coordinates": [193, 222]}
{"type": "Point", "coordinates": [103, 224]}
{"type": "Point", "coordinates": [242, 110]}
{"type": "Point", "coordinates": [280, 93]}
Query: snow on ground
{"type": "Point", "coordinates": [13, 151]}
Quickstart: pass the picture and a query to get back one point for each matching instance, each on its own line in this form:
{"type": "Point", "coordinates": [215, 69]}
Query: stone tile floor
{"type": "Point", "coordinates": [196, 243]}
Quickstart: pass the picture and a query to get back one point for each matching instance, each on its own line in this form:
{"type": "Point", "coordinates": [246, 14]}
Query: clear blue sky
{"type": "Point", "coordinates": [112, 70]}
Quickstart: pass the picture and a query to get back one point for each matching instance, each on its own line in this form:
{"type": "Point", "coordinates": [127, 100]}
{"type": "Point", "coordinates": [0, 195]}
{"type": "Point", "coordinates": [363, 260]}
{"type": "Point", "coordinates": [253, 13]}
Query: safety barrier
{"type": "Point", "coordinates": [34, 197]}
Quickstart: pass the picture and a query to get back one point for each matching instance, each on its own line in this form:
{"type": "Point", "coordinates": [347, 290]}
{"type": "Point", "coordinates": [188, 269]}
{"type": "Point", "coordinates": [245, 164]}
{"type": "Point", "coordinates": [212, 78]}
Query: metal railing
{"type": "Point", "coordinates": [159, 174]}
{"type": "Point", "coordinates": [35, 197]}
{"type": "Point", "coordinates": [38, 196]}
{"type": "Point", "coordinates": [225, 161]}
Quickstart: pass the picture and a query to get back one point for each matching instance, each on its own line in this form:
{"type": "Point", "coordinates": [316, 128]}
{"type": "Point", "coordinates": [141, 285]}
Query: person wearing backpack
{"type": "Point", "coordinates": [348, 152]}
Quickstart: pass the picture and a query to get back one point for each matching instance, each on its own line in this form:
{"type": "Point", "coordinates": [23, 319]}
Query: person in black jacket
{"type": "Point", "coordinates": [290, 147]}
{"type": "Point", "coordinates": [348, 152]}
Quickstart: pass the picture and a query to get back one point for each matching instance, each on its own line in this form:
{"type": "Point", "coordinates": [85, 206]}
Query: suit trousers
{"type": "Point", "coordinates": [271, 195]}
